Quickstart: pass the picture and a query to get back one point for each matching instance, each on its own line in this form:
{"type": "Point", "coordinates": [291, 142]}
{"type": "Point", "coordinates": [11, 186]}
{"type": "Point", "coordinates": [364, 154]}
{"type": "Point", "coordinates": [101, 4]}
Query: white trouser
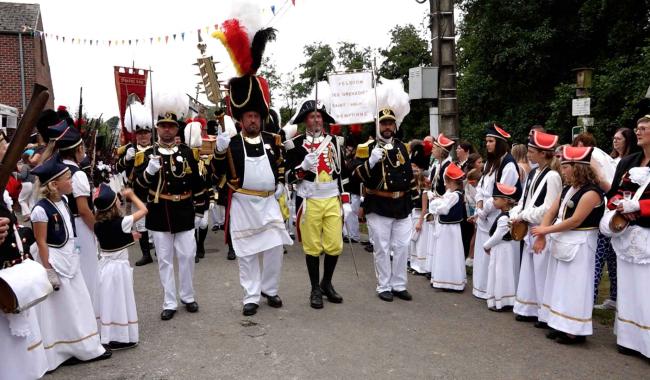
{"type": "Point", "coordinates": [390, 234]}
{"type": "Point", "coordinates": [255, 280]}
{"type": "Point", "coordinates": [218, 215]}
{"type": "Point", "coordinates": [139, 225]}
{"type": "Point", "coordinates": [25, 198]}
{"type": "Point", "coordinates": [183, 246]}
{"type": "Point", "coordinates": [351, 229]}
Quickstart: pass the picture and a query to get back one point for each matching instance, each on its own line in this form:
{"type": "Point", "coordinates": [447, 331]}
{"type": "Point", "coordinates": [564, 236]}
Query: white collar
{"type": "Point", "coordinates": [70, 162]}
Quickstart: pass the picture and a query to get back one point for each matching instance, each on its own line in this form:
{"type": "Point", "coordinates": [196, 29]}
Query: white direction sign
{"type": "Point", "coordinates": [581, 107]}
{"type": "Point", "coordinates": [348, 101]}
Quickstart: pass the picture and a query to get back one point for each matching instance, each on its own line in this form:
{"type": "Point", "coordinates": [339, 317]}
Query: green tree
{"type": "Point", "coordinates": [320, 62]}
{"type": "Point", "coordinates": [408, 48]}
{"type": "Point", "coordinates": [352, 58]}
{"type": "Point", "coordinates": [269, 71]}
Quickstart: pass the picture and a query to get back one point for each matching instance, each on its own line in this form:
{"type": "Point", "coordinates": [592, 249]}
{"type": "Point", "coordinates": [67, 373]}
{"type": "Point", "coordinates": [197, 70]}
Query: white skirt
{"type": "Point", "coordinates": [633, 306]}
{"type": "Point", "coordinates": [23, 358]}
{"type": "Point", "coordinates": [88, 259]}
{"type": "Point", "coordinates": [68, 323]}
{"type": "Point", "coordinates": [117, 311]}
{"type": "Point", "coordinates": [569, 290]}
{"type": "Point", "coordinates": [481, 260]}
{"type": "Point", "coordinates": [449, 258]}
{"type": "Point", "coordinates": [532, 278]}
{"type": "Point", "coordinates": [503, 271]}
{"type": "Point", "coordinates": [418, 250]}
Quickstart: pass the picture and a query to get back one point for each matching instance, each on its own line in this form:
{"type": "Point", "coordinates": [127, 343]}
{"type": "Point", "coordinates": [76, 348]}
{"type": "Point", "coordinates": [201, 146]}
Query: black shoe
{"type": "Point", "coordinates": [167, 314]}
{"type": "Point", "coordinates": [273, 301]}
{"type": "Point", "coordinates": [554, 334]}
{"type": "Point", "coordinates": [200, 253]}
{"type": "Point", "coordinates": [541, 325]}
{"type": "Point", "coordinates": [249, 309]}
{"type": "Point", "coordinates": [215, 228]}
{"type": "Point", "coordinates": [196, 259]}
{"type": "Point", "coordinates": [525, 318]}
{"type": "Point", "coordinates": [386, 296]}
{"type": "Point", "coordinates": [369, 248]}
{"type": "Point", "coordinates": [316, 298]}
{"type": "Point", "coordinates": [330, 293]}
{"type": "Point", "coordinates": [106, 355]}
{"type": "Point", "coordinates": [364, 242]}
{"type": "Point", "coordinates": [284, 251]}
{"type": "Point", "coordinates": [144, 261]}
{"type": "Point", "coordinates": [350, 240]}
{"type": "Point", "coordinates": [565, 339]}
{"type": "Point", "coordinates": [626, 351]}
{"type": "Point", "coordinates": [192, 307]}
{"type": "Point", "coordinates": [403, 295]}
{"type": "Point", "coordinates": [116, 346]}
{"type": "Point", "coordinates": [231, 255]}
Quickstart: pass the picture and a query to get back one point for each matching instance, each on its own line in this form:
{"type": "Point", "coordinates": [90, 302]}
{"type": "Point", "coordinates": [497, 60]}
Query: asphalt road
{"type": "Point", "coordinates": [437, 335]}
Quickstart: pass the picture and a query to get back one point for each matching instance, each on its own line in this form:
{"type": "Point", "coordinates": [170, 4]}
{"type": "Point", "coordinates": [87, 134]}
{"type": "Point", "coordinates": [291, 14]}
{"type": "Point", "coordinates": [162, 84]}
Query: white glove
{"type": "Point", "coordinates": [347, 211]}
{"type": "Point", "coordinates": [376, 155]}
{"type": "Point", "coordinates": [309, 161]}
{"type": "Point", "coordinates": [53, 278]}
{"type": "Point", "coordinates": [197, 221]}
{"type": "Point", "coordinates": [279, 190]}
{"type": "Point", "coordinates": [223, 140]}
{"type": "Point", "coordinates": [630, 206]}
{"type": "Point", "coordinates": [154, 165]}
{"type": "Point", "coordinates": [212, 206]}
{"type": "Point", "coordinates": [130, 154]}
{"type": "Point", "coordinates": [203, 224]}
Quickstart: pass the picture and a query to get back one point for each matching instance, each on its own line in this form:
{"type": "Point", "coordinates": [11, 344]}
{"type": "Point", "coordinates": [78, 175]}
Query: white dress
{"type": "Point", "coordinates": [21, 347]}
{"type": "Point", "coordinates": [503, 268]}
{"type": "Point", "coordinates": [66, 317]}
{"type": "Point", "coordinates": [448, 269]}
{"type": "Point", "coordinates": [117, 311]}
{"type": "Point", "coordinates": [85, 236]}
{"type": "Point", "coordinates": [569, 289]}
{"type": "Point", "coordinates": [532, 275]}
{"type": "Point", "coordinates": [419, 246]}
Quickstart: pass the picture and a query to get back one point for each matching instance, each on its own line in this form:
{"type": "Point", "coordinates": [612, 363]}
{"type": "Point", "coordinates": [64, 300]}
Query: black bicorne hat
{"type": "Point", "coordinates": [308, 107]}
{"type": "Point", "coordinates": [248, 93]}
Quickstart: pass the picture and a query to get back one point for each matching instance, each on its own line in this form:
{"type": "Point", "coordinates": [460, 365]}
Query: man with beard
{"type": "Point", "coordinates": [314, 165]}
{"type": "Point", "coordinates": [176, 202]}
{"type": "Point", "coordinates": [131, 160]}
{"type": "Point", "coordinates": [385, 169]}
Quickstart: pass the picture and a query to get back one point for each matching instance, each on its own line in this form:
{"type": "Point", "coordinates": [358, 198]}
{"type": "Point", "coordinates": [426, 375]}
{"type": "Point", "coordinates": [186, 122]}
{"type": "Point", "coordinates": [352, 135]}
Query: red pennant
{"type": "Point", "coordinates": [166, 39]}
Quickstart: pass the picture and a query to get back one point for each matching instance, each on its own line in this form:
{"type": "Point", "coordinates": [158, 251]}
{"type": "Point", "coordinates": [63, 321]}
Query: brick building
{"type": "Point", "coordinates": [23, 55]}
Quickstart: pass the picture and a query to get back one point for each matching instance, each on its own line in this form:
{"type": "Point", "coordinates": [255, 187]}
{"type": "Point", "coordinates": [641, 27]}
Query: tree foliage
{"type": "Point", "coordinates": [516, 59]}
{"type": "Point", "coordinates": [353, 58]}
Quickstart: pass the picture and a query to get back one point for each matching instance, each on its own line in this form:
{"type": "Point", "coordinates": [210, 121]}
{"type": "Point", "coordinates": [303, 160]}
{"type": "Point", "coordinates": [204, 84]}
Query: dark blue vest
{"type": "Point", "coordinates": [439, 186]}
{"type": "Point", "coordinates": [507, 236]}
{"type": "Point", "coordinates": [505, 161]}
{"type": "Point", "coordinates": [110, 236]}
{"type": "Point", "coordinates": [592, 221]}
{"type": "Point", "coordinates": [456, 213]}
{"type": "Point", "coordinates": [57, 233]}
{"type": "Point", "coordinates": [532, 187]}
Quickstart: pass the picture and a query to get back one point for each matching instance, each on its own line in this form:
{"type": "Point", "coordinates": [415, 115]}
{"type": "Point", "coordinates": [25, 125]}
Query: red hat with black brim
{"type": "Point", "coordinates": [502, 190]}
{"type": "Point", "coordinates": [576, 155]}
{"type": "Point", "coordinates": [496, 131]}
{"type": "Point", "coordinates": [543, 141]}
{"type": "Point", "coordinates": [454, 172]}
{"type": "Point", "coordinates": [444, 142]}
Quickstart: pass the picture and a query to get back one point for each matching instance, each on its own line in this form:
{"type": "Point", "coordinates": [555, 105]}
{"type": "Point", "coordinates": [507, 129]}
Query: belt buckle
{"type": "Point", "coordinates": [176, 197]}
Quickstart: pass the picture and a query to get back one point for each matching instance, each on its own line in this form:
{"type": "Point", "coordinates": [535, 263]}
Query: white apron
{"type": "Point", "coordinates": [256, 223]}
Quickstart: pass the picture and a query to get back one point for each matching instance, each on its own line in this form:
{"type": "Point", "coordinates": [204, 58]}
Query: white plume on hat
{"type": "Point", "coordinates": [290, 131]}
{"type": "Point", "coordinates": [193, 136]}
{"type": "Point", "coordinates": [391, 94]}
{"type": "Point", "coordinates": [137, 114]}
{"type": "Point", "coordinates": [170, 99]}
{"type": "Point", "coordinates": [249, 14]}
{"type": "Point", "coordinates": [230, 126]}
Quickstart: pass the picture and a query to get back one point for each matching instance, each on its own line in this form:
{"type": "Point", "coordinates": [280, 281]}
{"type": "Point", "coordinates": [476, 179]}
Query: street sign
{"type": "Point", "coordinates": [581, 107]}
{"type": "Point", "coordinates": [586, 121]}
{"type": "Point", "coordinates": [575, 131]}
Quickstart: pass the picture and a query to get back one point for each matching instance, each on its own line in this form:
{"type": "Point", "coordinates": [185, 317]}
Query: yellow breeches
{"type": "Point", "coordinates": [321, 226]}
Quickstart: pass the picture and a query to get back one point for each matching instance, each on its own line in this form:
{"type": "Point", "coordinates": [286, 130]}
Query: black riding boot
{"type": "Point", "coordinates": [200, 242]}
{"type": "Point", "coordinates": [144, 247]}
{"type": "Point", "coordinates": [313, 267]}
{"type": "Point", "coordinates": [326, 284]}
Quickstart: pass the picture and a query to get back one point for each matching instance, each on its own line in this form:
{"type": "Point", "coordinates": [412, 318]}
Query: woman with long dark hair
{"type": "Point", "coordinates": [502, 168]}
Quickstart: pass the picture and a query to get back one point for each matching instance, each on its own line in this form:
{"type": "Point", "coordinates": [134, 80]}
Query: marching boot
{"type": "Point", "coordinates": [316, 296]}
{"type": "Point", "coordinates": [326, 284]}
{"type": "Point", "coordinates": [144, 247]}
{"type": "Point", "coordinates": [200, 242]}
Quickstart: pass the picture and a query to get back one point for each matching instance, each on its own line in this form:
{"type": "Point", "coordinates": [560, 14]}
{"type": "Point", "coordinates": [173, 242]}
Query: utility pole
{"type": "Point", "coordinates": [443, 56]}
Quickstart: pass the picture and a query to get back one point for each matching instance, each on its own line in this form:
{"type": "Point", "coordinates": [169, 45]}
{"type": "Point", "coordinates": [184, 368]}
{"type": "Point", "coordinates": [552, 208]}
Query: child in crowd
{"type": "Point", "coordinates": [503, 252]}
{"type": "Point", "coordinates": [66, 317]}
{"type": "Point", "coordinates": [117, 310]}
{"type": "Point", "coordinates": [448, 267]}
{"type": "Point", "coordinates": [419, 257]}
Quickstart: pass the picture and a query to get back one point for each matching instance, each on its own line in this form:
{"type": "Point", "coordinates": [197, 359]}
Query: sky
{"type": "Point", "coordinates": [365, 22]}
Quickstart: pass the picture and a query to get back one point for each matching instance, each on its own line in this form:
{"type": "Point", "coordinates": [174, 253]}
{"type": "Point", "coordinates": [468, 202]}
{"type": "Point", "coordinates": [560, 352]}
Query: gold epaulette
{"type": "Point", "coordinates": [278, 140]}
{"type": "Point", "coordinates": [196, 153]}
{"type": "Point", "coordinates": [139, 158]}
{"type": "Point", "coordinates": [363, 150]}
{"type": "Point", "coordinates": [122, 149]}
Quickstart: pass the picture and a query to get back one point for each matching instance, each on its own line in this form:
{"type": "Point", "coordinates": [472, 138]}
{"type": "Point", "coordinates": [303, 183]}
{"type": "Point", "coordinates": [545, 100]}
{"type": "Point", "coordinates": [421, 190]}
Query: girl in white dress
{"type": "Point", "coordinates": [117, 311]}
{"type": "Point", "coordinates": [448, 268]}
{"type": "Point", "coordinates": [66, 317]}
{"type": "Point", "coordinates": [571, 225]}
{"type": "Point", "coordinates": [503, 252]}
